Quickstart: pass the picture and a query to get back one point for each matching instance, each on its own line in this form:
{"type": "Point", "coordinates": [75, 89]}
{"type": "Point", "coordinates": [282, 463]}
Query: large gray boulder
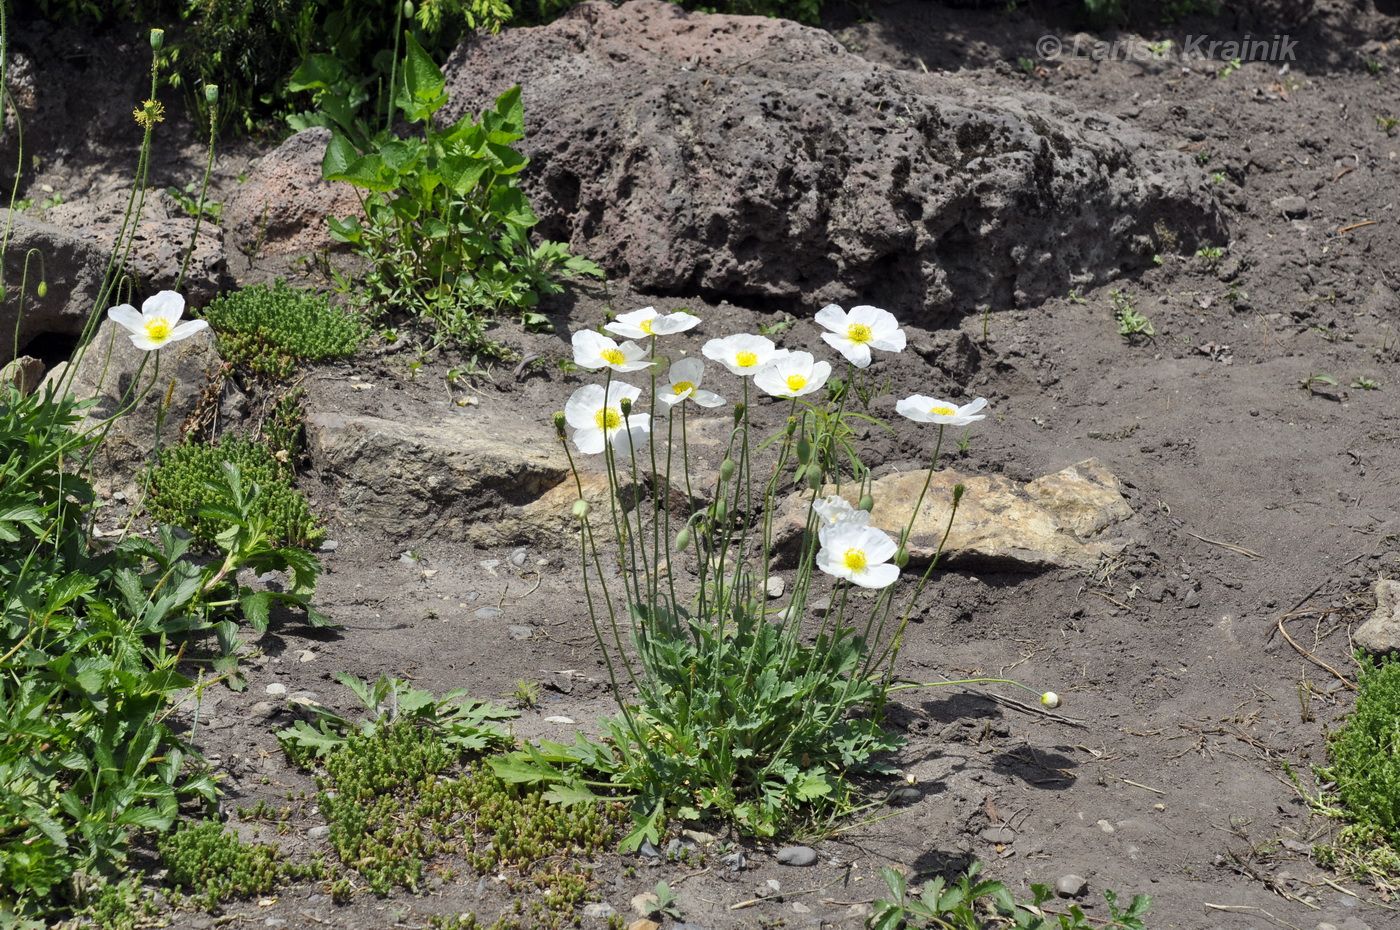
{"type": "Point", "coordinates": [757, 160]}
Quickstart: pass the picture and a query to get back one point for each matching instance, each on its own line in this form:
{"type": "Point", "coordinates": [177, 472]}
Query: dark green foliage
{"type": "Point", "coordinates": [447, 228]}
{"type": "Point", "coordinates": [210, 863]}
{"type": "Point", "coordinates": [270, 330]}
{"type": "Point", "coordinates": [1365, 752]}
{"type": "Point", "coordinates": [180, 491]}
{"type": "Point", "coordinates": [970, 903]}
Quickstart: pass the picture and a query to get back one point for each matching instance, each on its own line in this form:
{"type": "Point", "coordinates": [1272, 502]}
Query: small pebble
{"type": "Point", "coordinates": [1104, 825]}
{"type": "Point", "coordinates": [601, 910]}
{"type": "Point", "coordinates": [1071, 886]}
{"type": "Point", "coordinates": [643, 923]}
{"type": "Point", "coordinates": [329, 545]}
{"type": "Point", "coordinates": [303, 697]}
{"type": "Point", "coordinates": [520, 631]}
{"type": "Point", "coordinates": [518, 556]}
{"type": "Point", "coordinates": [776, 586]}
{"type": "Point", "coordinates": [306, 655]}
{"type": "Point", "coordinates": [263, 709]}
{"type": "Point", "coordinates": [488, 613]}
{"type": "Point", "coordinates": [318, 833]}
{"type": "Point", "coordinates": [797, 855]}
{"type": "Point", "coordinates": [1001, 835]}
{"type": "Point", "coordinates": [276, 689]}
{"type": "Point", "coordinates": [646, 904]}
{"type": "Point", "coordinates": [560, 718]}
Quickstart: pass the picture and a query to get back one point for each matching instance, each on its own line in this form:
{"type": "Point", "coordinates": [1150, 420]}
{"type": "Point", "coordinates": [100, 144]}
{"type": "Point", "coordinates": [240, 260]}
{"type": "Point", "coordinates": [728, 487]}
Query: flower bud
{"type": "Point", "coordinates": [958, 491]}
{"type": "Point", "coordinates": [721, 510]}
{"type": "Point", "coordinates": [211, 94]}
{"type": "Point", "coordinates": [738, 414]}
{"type": "Point", "coordinates": [407, 8]}
{"type": "Point", "coordinates": [683, 540]}
{"type": "Point", "coordinates": [867, 503]}
{"type": "Point", "coordinates": [804, 450]}
{"type": "Point", "coordinates": [581, 509]}
{"type": "Point", "coordinates": [559, 423]}
{"type": "Point", "coordinates": [791, 425]}
{"type": "Point", "coordinates": [814, 479]}
{"type": "Point", "coordinates": [901, 556]}
{"type": "Point", "coordinates": [726, 469]}
{"type": "Point", "coordinates": [157, 39]}
{"type": "Point", "coordinates": [43, 289]}
{"type": "Point", "coordinates": [626, 405]}
{"type": "Point", "coordinates": [1050, 699]}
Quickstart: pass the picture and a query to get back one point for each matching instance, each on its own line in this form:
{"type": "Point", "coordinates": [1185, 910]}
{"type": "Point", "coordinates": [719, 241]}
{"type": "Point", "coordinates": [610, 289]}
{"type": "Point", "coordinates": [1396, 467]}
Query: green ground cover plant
{"type": "Point", "coordinates": [179, 491]}
{"type": "Point", "coordinates": [447, 227]}
{"type": "Point", "coordinates": [974, 903]}
{"type": "Point", "coordinates": [269, 330]}
{"type": "Point", "coordinates": [1363, 772]}
{"type": "Point", "coordinates": [208, 862]}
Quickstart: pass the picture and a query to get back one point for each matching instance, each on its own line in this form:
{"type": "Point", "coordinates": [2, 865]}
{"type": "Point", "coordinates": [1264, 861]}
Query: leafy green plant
{"type": "Point", "coordinates": [1131, 323]}
{"type": "Point", "coordinates": [269, 330]}
{"type": "Point", "coordinates": [461, 722]}
{"type": "Point", "coordinates": [180, 491]}
{"type": "Point", "coordinates": [970, 903]}
{"type": "Point", "coordinates": [208, 861]}
{"type": "Point", "coordinates": [1364, 754]}
{"type": "Point", "coordinates": [446, 226]}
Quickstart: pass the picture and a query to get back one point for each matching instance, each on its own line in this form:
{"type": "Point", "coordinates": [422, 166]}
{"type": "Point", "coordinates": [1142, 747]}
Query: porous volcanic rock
{"type": "Point", "coordinates": [72, 270]}
{"type": "Point", "coordinates": [280, 211]}
{"type": "Point", "coordinates": [757, 160]}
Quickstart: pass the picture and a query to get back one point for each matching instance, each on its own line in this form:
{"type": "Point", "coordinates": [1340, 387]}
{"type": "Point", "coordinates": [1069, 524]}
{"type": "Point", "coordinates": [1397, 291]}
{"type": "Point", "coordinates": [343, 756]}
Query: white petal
{"type": "Point", "coordinates": [833, 565]}
{"type": "Point", "coordinates": [673, 323]}
{"type": "Point", "coordinates": [127, 317]}
{"type": "Point", "coordinates": [589, 441]}
{"type": "Point", "coordinates": [857, 353]}
{"type": "Point", "coordinates": [973, 407]}
{"type": "Point", "coordinates": [688, 369]}
{"type": "Point", "coordinates": [634, 437]}
{"type": "Point", "coordinates": [625, 330]}
{"type": "Point", "coordinates": [820, 372]}
{"type": "Point", "coordinates": [669, 398]}
{"type": "Point", "coordinates": [832, 317]}
{"type": "Point", "coordinates": [187, 329]}
{"type": "Point", "coordinates": [582, 407]}
{"type": "Point", "coordinates": [146, 343]}
{"type": "Point", "coordinates": [619, 391]}
{"type": "Point", "coordinates": [166, 305]}
{"type": "Point", "coordinates": [878, 545]}
{"type": "Point", "coordinates": [771, 380]}
{"type": "Point", "coordinates": [893, 341]}
{"type": "Point", "coordinates": [877, 576]}
{"type": "Point", "coordinates": [589, 347]}
{"type": "Point", "coordinates": [872, 317]}
{"type": "Point", "coordinates": [707, 398]}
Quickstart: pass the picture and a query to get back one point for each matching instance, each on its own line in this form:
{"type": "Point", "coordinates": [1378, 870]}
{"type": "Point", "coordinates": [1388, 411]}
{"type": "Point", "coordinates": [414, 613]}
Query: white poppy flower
{"type": "Point", "coordinates": [742, 354]}
{"type": "Point", "coordinates": [647, 322]}
{"type": "Point", "coordinates": [595, 415]}
{"type": "Point", "coordinates": [854, 334]}
{"type": "Point", "coordinates": [158, 323]}
{"type": "Point", "coordinates": [594, 350]}
{"type": "Point", "coordinates": [835, 510]}
{"type": "Point", "coordinates": [683, 381]}
{"type": "Point", "coordinates": [792, 375]}
{"type": "Point", "coordinates": [859, 554]}
{"type": "Point", "coordinates": [943, 412]}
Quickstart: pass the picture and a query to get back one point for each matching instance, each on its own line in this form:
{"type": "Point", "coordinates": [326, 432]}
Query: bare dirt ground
{"type": "Point", "coordinates": [1255, 501]}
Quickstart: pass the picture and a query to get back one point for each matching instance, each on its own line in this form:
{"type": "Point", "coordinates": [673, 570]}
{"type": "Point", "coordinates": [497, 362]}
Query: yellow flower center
{"type": "Point", "coordinates": [943, 411]}
{"type": "Point", "coordinates": [613, 356]}
{"type": "Point", "coordinates": [855, 560]}
{"type": "Point", "coordinates": [609, 418]}
{"type": "Point", "coordinates": [680, 387]}
{"type": "Point", "coordinates": [858, 332]}
{"type": "Point", "coordinates": [796, 383]}
{"type": "Point", "coordinates": [746, 359]}
{"type": "Point", "coordinates": [645, 326]}
{"type": "Point", "coordinates": [158, 330]}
